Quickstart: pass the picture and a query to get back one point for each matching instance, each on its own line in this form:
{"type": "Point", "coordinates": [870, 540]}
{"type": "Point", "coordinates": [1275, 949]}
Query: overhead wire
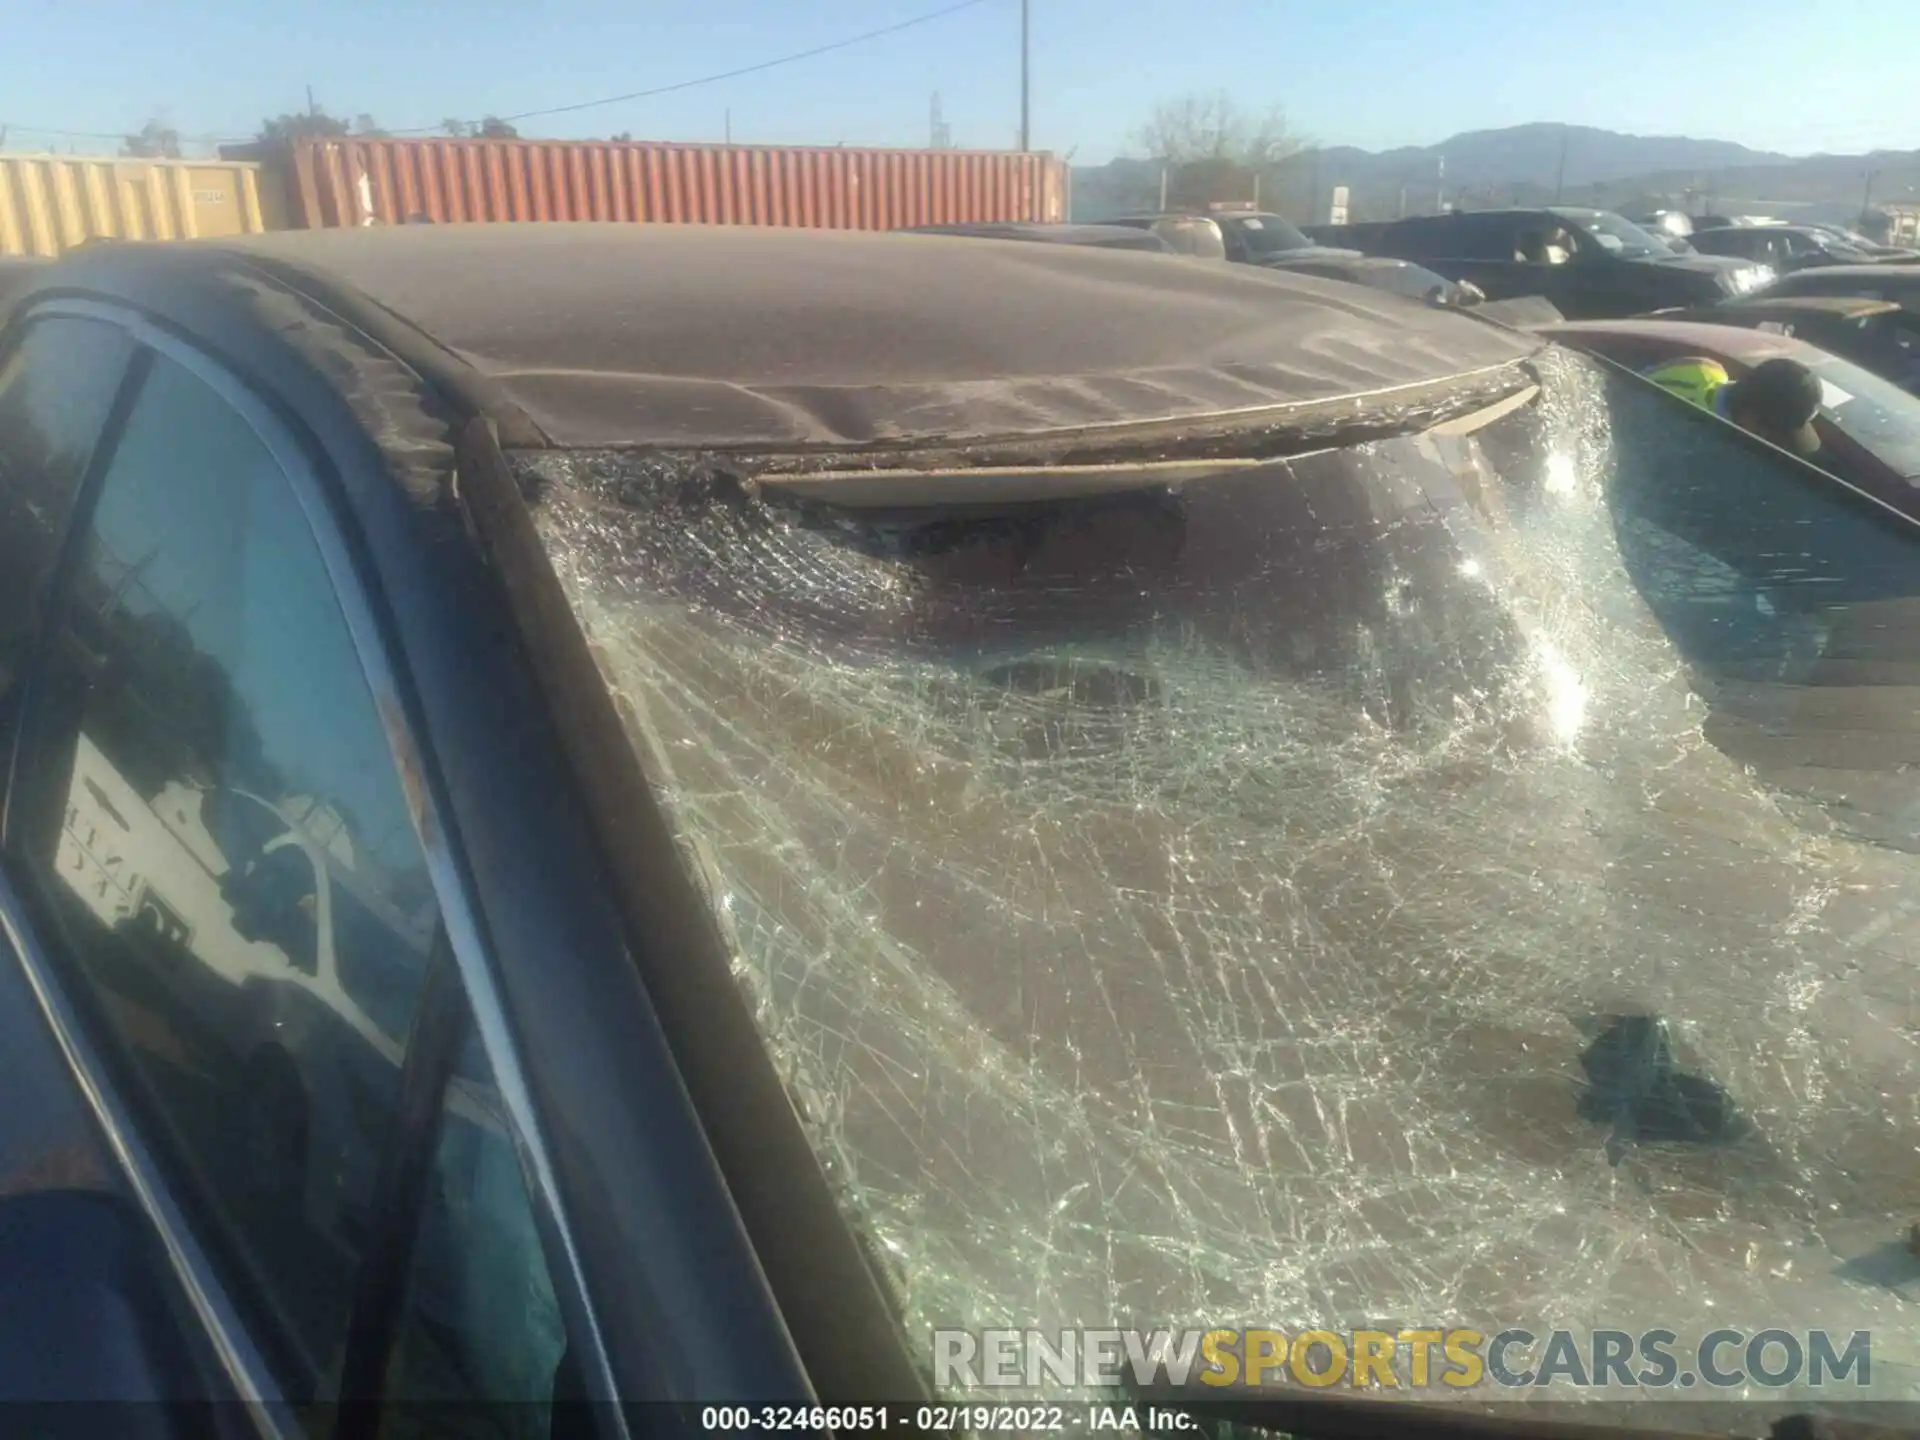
{"type": "Point", "coordinates": [908, 24]}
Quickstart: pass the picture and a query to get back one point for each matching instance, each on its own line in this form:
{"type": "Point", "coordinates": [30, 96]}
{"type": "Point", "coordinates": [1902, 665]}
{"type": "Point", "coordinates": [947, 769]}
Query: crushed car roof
{"type": "Point", "coordinates": [756, 338]}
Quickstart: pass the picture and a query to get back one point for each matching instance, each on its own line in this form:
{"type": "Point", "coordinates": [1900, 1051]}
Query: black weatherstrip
{"type": "Point", "coordinates": [380, 1294]}
{"type": "Point", "coordinates": [15, 704]}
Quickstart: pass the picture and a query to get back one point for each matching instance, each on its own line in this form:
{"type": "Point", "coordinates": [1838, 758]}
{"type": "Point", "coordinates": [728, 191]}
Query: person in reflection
{"type": "Point", "coordinates": [1777, 401]}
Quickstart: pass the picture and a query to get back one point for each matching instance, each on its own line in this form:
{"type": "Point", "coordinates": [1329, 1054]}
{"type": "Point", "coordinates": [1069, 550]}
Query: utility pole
{"type": "Point", "coordinates": [1026, 79]}
{"type": "Point", "coordinates": [312, 109]}
{"type": "Point", "coordinates": [1866, 198]}
{"type": "Point", "coordinates": [1560, 176]}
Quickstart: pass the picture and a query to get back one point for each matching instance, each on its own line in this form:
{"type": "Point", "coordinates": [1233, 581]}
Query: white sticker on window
{"type": "Point", "coordinates": [1832, 397]}
{"type": "Point", "coordinates": [1251, 223]}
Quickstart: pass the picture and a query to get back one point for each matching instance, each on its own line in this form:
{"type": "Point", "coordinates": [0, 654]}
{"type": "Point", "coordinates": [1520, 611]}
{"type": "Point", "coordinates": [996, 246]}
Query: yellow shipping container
{"type": "Point", "coordinates": [51, 203]}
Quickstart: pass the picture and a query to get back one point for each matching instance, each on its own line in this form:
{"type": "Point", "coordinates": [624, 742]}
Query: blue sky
{"type": "Point", "coordinates": [1375, 73]}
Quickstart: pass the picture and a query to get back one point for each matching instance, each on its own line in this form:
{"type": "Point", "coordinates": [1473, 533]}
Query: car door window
{"type": "Point", "coordinates": [220, 843]}
{"type": "Point", "coordinates": [481, 1324]}
{"type": "Point", "coordinates": [1484, 237]}
{"type": "Point", "coordinates": [57, 384]}
{"type": "Point", "coordinates": [1747, 558]}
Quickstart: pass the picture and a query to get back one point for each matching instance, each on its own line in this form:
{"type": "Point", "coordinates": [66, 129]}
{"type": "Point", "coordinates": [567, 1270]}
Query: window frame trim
{"type": "Point", "coordinates": [307, 474]}
{"type": "Point", "coordinates": [14, 335]}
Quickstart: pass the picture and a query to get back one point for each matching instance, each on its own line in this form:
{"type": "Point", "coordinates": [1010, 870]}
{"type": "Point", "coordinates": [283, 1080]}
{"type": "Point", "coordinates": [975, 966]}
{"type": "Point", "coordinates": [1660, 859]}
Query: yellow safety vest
{"type": "Point", "coordinates": [1702, 382]}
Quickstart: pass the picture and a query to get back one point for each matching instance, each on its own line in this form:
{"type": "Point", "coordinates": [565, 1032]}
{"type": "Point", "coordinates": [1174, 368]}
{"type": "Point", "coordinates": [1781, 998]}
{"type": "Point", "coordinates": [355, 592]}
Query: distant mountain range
{"type": "Point", "coordinates": [1530, 164]}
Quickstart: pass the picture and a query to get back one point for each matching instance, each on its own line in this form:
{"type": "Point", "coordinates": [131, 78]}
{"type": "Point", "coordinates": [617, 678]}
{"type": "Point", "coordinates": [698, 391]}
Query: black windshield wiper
{"type": "Point", "coordinates": [1305, 1415]}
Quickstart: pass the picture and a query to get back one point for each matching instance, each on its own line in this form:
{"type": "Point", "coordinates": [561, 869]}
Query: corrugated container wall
{"type": "Point", "coordinates": [51, 203]}
{"type": "Point", "coordinates": [332, 183]}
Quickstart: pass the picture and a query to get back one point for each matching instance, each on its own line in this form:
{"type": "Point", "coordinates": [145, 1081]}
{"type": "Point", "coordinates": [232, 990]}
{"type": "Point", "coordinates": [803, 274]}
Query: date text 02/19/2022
{"type": "Point", "coordinates": [1047, 1419]}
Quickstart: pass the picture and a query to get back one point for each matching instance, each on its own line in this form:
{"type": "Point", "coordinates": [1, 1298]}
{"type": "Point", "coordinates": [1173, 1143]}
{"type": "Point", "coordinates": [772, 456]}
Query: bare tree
{"type": "Point", "coordinates": [1201, 126]}
{"type": "Point", "coordinates": [157, 140]}
{"type": "Point", "coordinates": [1214, 149]}
{"type": "Point", "coordinates": [457, 129]}
{"type": "Point", "coordinates": [363, 124]}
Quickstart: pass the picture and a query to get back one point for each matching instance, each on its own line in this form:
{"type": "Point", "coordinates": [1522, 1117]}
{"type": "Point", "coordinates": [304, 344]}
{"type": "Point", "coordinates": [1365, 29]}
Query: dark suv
{"type": "Point", "coordinates": [1604, 267]}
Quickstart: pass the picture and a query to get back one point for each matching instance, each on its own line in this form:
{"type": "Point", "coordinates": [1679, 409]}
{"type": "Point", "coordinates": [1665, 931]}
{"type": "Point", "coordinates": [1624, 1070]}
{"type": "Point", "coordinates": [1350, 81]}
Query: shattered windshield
{"type": "Point", "coordinates": [1455, 876]}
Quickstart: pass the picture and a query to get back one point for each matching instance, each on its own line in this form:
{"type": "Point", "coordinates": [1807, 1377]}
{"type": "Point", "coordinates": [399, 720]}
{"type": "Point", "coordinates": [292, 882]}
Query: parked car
{"type": "Point", "coordinates": [1196, 235]}
{"type": "Point", "coordinates": [1673, 224]}
{"type": "Point", "coordinates": [1869, 427]}
{"type": "Point", "coordinates": [1245, 237]}
{"type": "Point", "coordinates": [1781, 248]}
{"type": "Point", "coordinates": [1874, 334]}
{"type": "Point", "coordinates": [1898, 283]}
{"type": "Point", "coordinates": [857, 774]}
{"type": "Point", "coordinates": [1415, 282]}
{"type": "Point", "coordinates": [1258, 237]}
{"type": "Point", "coordinates": [1606, 267]}
{"type": "Point", "coordinates": [1100, 237]}
{"type": "Point", "coordinates": [1874, 249]}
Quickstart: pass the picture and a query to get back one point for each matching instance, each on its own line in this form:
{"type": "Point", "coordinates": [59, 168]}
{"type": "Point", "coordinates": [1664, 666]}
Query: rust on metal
{"type": "Point", "coordinates": [352, 182]}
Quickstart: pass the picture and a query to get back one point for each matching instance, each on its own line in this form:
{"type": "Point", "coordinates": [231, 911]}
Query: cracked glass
{"type": "Point", "coordinates": [1453, 880]}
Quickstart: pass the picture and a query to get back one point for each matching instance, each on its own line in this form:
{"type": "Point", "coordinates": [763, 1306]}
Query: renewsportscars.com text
{"type": "Point", "coordinates": [1447, 1359]}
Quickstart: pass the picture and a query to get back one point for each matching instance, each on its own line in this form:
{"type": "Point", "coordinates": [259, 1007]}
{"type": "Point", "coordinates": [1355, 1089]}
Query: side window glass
{"type": "Point", "coordinates": [1791, 604]}
{"type": "Point", "coordinates": [1489, 237]}
{"type": "Point", "coordinates": [212, 820]}
{"type": "Point", "coordinates": [481, 1325]}
{"type": "Point", "coordinates": [1749, 562]}
{"type": "Point", "coordinates": [56, 387]}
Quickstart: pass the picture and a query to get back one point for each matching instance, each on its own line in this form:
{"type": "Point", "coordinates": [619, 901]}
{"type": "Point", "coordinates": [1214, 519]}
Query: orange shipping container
{"type": "Point", "coordinates": [334, 183]}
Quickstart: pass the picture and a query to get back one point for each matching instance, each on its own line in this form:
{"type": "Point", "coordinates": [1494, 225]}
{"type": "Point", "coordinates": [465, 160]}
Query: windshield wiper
{"type": "Point", "coordinates": [1305, 1415]}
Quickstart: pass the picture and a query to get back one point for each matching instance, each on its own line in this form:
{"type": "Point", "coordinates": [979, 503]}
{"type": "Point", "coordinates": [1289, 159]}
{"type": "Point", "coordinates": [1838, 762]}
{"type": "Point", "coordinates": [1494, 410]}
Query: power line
{"type": "Point", "coordinates": [647, 94]}
{"type": "Point", "coordinates": [850, 41]}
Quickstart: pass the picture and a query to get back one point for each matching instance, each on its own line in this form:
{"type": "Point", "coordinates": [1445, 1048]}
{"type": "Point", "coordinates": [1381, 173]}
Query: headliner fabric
{"type": "Point", "coordinates": [703, 337]}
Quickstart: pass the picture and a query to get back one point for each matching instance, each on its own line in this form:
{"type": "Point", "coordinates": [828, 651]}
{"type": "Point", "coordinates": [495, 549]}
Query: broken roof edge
{"type": "Point", "coordinates": [1259, 432]}
{"type": "Point", "coordinates": [434, 362]}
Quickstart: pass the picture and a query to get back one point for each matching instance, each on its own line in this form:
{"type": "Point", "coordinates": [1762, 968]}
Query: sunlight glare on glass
{"type": "Point", "coordinates": [1561, 473]}
{"type": "Point", "coordinates": [1566, 694]}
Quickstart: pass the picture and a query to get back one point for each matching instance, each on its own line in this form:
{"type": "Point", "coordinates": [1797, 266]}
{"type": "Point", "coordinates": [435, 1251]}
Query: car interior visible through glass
{"type": "Point", "coordinates": [217, 834]}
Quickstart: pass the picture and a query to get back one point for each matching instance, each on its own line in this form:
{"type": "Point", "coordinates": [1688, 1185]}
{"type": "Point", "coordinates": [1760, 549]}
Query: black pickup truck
{"type": "Point", "coordinates": [1589, 264]}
